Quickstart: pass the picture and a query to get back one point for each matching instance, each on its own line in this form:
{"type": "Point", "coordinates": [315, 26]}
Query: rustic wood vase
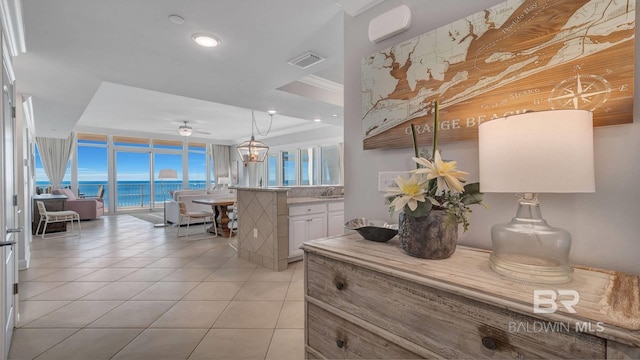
{"type": "Point", "coordinates": [428, 237]}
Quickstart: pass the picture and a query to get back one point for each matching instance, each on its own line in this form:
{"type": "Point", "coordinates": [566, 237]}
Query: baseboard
{"type": "Point", "coordinates": [23, 264]}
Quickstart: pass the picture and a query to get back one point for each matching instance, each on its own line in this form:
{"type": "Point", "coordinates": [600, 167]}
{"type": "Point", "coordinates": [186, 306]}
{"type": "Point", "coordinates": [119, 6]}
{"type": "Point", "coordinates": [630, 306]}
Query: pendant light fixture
{"type": "Point", "coordinates": [254, 151]}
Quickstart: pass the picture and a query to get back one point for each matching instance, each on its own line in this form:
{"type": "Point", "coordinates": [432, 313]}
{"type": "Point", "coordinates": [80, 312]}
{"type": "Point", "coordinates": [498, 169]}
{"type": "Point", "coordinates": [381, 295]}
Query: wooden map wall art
{"type": "Point", "coordinates": [520, 55]}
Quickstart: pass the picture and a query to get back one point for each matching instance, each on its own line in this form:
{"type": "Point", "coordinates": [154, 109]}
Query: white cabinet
{"type": "Point", "coordinates": [306, 222]}
{"type": "Point", "coordinates": [335, 218]}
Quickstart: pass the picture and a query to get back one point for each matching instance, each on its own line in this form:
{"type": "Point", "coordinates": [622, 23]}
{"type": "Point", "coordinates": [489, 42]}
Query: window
{"type": "Point", "coordinates": [127, 163]}
{"type": "Point", "coordinates": [197, 165]}
{"type": "Point", "coordinates": [132, 190]}
{"type": "Point", "coordinates": [130, 141]}
{"type": "Point", "coordinates": [307, 166]}
{"type": "Point", "coordinates": [93, 170]}
{"type": "Point", "coordinates": [330, 165]}
{"type": "Point", "coordinates": [272, 168]}
{"type": "Point", "coordinates": [167, 144]}
{"type": "Point", "coordinates": [288, 168]}
{"type": "Point", "coordinates": [166, 161]}
{"type": "Point", "coordinates": [92, 139]}
{"type": "Point", "coordinates": [42, 181]}
{"type": "Point", "coordinates": [311, 166]}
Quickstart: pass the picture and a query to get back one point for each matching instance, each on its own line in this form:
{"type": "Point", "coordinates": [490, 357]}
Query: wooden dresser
{"type": "Point", "coordinates": [367, 300]}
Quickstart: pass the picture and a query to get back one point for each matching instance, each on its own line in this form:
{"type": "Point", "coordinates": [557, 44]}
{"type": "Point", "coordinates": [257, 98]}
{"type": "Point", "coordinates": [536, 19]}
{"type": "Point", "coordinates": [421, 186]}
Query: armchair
{"type": "Point", "coordinates": [86, 208]}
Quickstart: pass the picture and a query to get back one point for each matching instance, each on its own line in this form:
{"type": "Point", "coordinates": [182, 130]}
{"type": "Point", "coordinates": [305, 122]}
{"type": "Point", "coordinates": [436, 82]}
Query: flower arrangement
{"type": "Point", "coordinates": [435, 184]}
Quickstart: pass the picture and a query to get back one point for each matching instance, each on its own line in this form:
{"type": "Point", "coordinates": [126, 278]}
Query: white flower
{"type": "Point", "coordinates": [409, 192]}
{"type": "Point", "coordinates": [444, 171]}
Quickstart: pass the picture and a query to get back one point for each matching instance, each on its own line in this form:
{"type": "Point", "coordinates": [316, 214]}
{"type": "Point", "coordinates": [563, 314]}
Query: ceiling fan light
{"type": "Point", "coordinates": [185, 131]}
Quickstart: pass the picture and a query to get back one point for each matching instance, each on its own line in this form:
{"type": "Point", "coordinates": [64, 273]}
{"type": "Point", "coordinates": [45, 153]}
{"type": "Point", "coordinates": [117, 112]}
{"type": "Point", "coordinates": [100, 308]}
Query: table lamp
{"type": "Point", "coordinates": [224, 182]}
{"type": "Point", "coordinates": [165, 174]}
{"type": "Point", "coordinates": [530, 153]}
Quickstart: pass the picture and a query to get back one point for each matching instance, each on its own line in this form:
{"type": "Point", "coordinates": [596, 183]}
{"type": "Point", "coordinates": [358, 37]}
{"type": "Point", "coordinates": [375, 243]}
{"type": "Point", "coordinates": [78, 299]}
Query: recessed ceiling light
{"type": "Point", "coordinates": [317, 120]}
{"type": "Point", "coordinates": [334, 115]}
{"type": "Point", "coordinates": [206, 40]}
{"type": "Point", "coordinates": [176, 19]}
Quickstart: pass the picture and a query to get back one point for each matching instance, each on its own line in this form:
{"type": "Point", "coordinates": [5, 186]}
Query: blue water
{"type": "Point", "coordinates": [131, 194]}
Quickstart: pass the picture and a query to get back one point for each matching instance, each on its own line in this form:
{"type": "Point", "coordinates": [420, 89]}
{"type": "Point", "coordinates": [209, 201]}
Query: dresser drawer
{"type": "Point", "coordinates": [336, 338]}
{"type": "Point", "coordinates": [444, 323]}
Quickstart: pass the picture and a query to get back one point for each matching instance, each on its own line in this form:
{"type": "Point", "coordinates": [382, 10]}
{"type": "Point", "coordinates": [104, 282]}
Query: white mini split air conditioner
{"type": "Point", "coordinates": [391, 23]}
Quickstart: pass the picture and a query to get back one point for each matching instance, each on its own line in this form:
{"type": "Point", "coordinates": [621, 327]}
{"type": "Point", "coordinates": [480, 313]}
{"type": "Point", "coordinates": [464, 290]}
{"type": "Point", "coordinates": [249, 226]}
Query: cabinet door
{"type": "Point", "coordinates": [317, 226]}
{"type": "Point", "coordinates": [297, 233]}
{"type": "Point", "coordinates": [335, 221]}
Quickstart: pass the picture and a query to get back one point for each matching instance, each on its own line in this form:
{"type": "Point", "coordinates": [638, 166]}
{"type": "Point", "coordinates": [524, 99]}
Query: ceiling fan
{"type": "Point", "coordinates": [186, 130]}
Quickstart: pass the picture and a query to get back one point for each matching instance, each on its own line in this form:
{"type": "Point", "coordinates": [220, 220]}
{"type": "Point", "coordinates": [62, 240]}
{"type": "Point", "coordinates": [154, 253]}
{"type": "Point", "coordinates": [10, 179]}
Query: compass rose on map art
{"type": "Point", "coordinates": [587, 92]}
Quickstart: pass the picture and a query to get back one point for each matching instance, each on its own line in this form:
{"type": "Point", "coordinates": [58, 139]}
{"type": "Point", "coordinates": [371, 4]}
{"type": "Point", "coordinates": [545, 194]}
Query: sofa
{"type": "Point", "coordinates": [187, 196]}
{"type": "Point", "coordinates": [87, 208]}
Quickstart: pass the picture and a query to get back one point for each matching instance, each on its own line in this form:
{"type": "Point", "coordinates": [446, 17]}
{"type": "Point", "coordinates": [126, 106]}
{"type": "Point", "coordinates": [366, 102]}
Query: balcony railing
{"type": "Point", "coordinates": [136, 195]}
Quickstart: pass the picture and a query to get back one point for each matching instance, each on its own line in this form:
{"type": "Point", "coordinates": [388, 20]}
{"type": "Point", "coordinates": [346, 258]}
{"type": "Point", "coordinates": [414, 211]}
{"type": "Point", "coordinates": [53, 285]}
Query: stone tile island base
{"type": "Point", "coordinates": [263, 227]}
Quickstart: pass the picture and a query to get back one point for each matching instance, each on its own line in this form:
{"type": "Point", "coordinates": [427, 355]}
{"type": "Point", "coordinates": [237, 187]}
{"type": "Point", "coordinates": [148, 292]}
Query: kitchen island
{"type": "Point", "coordinates": [273, 222]}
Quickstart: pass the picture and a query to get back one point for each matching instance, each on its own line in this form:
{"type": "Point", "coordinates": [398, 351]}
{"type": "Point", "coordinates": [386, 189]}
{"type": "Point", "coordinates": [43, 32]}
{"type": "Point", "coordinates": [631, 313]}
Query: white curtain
{"type": "Point", "coordinates": [221, 161]}
{"type": "Point", "coordinates": [55, 155]}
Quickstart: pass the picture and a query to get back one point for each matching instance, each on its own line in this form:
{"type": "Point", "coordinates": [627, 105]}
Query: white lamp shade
{"type": "Point", "coordinates": [538, 152]}
{"type": "Point", "coordinates": [168, 174]}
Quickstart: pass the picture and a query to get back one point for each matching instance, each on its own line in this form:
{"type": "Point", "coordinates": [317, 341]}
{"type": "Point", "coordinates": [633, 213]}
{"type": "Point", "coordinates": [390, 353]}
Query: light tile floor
{"type": "Point", "coordinates": [126, 290]}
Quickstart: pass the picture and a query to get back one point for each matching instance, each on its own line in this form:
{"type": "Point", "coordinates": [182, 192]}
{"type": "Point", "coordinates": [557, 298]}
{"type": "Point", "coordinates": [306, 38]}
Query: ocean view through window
{"type": "Point", "coordinates": [127, 169]}
{"type": "Point", "coordinates": [131, 194]}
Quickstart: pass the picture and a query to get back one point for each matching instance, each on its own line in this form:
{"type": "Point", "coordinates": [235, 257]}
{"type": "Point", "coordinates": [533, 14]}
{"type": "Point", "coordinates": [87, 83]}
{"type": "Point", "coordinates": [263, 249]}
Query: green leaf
{"type": "Point", "coordinates": [423, 209]}
{"type": "Point", "coordinates": [472, 194]}
{"type": "Point", "coordinates": [472, 188]}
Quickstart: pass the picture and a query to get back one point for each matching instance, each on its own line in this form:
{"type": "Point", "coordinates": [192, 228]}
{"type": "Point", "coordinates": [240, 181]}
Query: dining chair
{"type": "Point", "coordinates": [232, 213]}
{"type": "Point", "coordinates": [186, 214]}
{"type": "Point", "coordinates": [48, 217]}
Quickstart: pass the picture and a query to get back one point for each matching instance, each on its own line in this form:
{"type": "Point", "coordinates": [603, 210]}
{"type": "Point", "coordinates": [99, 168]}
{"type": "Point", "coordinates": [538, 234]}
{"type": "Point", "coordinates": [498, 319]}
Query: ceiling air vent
{"type": "Point", "coordinates": [305, 60]}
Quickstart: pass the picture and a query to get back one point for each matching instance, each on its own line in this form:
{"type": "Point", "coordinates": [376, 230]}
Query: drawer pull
{"type": "Point", "coordinates": [339, 285]}
{"type": "Point", "coordinates": [340, 343]}
{"type": "Point", "coordinates": [489, 342]}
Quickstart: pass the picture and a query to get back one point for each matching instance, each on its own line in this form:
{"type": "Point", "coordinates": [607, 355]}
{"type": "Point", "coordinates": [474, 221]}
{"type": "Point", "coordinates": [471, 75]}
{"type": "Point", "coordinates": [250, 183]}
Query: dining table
{"type": "Point", "coordinates": [219, 207]}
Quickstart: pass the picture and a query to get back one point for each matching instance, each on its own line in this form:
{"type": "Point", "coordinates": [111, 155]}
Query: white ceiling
{"type": "Point", "coordinates": [120, 66]}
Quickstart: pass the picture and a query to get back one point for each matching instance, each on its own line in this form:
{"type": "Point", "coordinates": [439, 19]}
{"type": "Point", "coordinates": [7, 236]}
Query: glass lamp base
{"type": "Point", "coordinates": [524, 269]}
{"type": "Point", "coordinates": [528, 249]}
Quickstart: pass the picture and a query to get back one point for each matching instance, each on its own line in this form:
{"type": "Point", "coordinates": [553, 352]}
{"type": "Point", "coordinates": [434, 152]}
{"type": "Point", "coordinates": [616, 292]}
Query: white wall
{"type": "Point", "coordinates": [605, 225]}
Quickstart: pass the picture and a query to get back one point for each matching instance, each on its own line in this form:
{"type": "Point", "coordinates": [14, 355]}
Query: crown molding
{"type": "Point", "coordinates": [13, 26]}
{"type": "Point", "coordinates": [357, 7]}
